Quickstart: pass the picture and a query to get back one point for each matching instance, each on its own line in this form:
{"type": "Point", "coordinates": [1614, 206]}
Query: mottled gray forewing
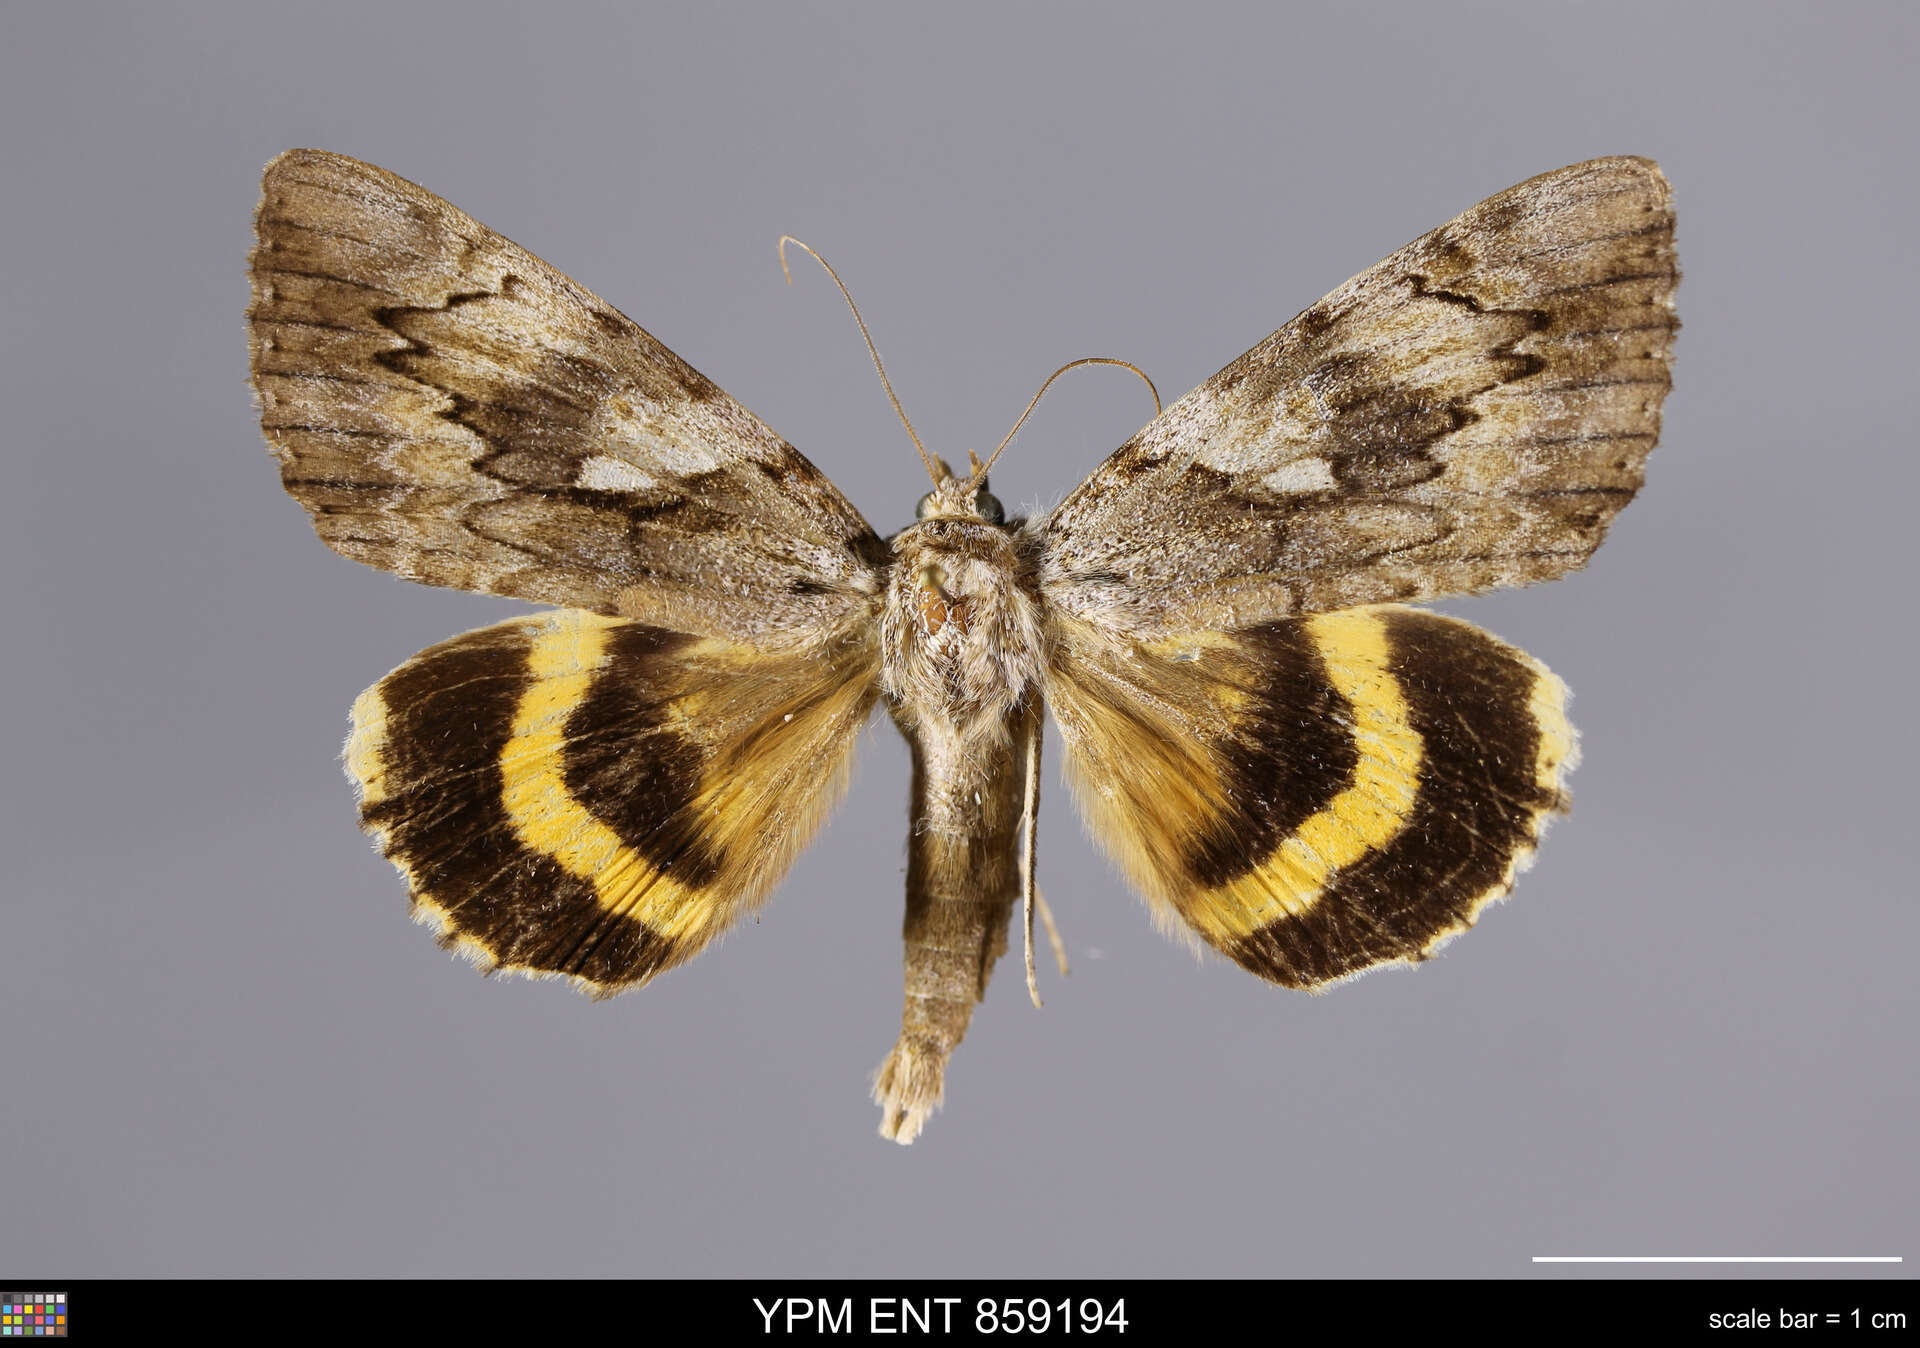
{"type": "Point", "coordinates": [450, 408]}
{"type": "Point", "coordinates": [1470, 413]}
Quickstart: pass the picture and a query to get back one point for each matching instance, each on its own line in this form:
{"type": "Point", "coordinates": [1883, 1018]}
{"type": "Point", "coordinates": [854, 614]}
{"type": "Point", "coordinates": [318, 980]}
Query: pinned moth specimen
{"type": "Point", "coordinates": [1289, 762]}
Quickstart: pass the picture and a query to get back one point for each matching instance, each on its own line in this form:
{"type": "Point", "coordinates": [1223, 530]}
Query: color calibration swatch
{"type": "Point", "coordinates": [33, 1314]}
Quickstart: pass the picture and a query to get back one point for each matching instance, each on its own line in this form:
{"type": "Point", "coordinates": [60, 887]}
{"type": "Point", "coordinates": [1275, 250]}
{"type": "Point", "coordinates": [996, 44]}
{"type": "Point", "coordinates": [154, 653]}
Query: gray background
{"type": "Point", "coordinates": [227, 1050]}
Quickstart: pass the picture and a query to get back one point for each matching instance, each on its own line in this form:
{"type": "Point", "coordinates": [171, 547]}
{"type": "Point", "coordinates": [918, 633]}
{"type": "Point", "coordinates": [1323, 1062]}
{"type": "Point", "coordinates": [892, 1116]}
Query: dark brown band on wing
{"type": "Point", "coordinates": [1290, 753]}
{"type": "Point", "coordinates": [622, 755]}
{"type": "Point", "coordinates": [427, 749]}
{"type": "Point", "coordinates": [1475, 816]}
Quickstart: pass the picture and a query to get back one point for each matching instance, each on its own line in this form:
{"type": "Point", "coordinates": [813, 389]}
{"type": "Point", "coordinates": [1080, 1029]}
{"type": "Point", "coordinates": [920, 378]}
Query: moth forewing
{"type": "Point", "coordinates": [450, 408]}
{"type": "Point", "coordinates": [1470, 413]}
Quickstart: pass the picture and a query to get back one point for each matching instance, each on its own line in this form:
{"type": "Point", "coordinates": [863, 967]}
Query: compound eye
{"type": "Point", "coordinates": [990, 508]}
{"type": "Point", "coordinates": [925, 508]}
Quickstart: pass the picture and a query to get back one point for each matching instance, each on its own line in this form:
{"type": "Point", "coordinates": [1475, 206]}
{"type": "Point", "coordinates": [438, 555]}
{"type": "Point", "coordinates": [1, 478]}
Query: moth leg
{"type": "Point", "coordinates": [1030, 819]}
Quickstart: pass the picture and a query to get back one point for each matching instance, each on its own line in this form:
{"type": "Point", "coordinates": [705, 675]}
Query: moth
{"type": "Point", "coordinates": [1290, 763]}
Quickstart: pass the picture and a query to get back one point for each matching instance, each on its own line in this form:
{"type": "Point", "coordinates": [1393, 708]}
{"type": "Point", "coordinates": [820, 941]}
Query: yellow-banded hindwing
{"type": "Point", "coordinates": [578, 795]}
{"type": "Point", "coordinates": [1317, 796]}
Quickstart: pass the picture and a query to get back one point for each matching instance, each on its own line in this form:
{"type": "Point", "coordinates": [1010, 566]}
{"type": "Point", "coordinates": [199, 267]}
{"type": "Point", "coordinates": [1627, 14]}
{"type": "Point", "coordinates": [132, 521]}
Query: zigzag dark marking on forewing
{"type": "Point", "coordinates": [1471, 412]}
{"type": "Point", "coordinates": [450, 408]}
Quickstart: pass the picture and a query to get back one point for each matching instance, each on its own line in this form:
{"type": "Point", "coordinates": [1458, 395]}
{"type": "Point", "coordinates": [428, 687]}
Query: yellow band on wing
{"type": "Point", "coordinates": [1366, 815]}
{"type": "Point", "coordinates": [548, 818]}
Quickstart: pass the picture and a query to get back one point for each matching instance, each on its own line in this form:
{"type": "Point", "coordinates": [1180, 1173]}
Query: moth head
{"type": "Point", "coordinates": [960, 498]}
{"type": "Point", "coordinates": [968, 498]}
{"type": "Point", "coordinates": [953, 551]}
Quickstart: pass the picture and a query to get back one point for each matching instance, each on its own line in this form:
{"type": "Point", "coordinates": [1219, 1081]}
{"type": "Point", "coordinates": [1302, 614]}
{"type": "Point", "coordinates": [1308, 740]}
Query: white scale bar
{"type": "Point", "coordinates": [1717, 1259]}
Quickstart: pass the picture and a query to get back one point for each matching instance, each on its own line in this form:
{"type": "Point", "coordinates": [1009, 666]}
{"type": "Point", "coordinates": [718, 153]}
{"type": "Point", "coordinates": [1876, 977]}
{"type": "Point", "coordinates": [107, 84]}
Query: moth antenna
{"type": "Point", "coordinates": [980, 472]}
{"type": "Point", "coordinates": [873, 351]}
{"type": "Point", "coordinates": [1030, 815]}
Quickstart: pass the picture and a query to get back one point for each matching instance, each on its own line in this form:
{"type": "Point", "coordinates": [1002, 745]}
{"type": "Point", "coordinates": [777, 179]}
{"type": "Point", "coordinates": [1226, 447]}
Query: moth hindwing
{"type": "Point", "coordinates": [1292, 765]}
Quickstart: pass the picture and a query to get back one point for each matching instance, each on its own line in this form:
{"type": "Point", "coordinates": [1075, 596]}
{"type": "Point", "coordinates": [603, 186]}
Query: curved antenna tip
{"type": "Point", "coordinates": [980, 469]}
{"type": "Point", "coordinates": [872, 350]}
{"type": "Point", "coordinates": [781, 247]}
